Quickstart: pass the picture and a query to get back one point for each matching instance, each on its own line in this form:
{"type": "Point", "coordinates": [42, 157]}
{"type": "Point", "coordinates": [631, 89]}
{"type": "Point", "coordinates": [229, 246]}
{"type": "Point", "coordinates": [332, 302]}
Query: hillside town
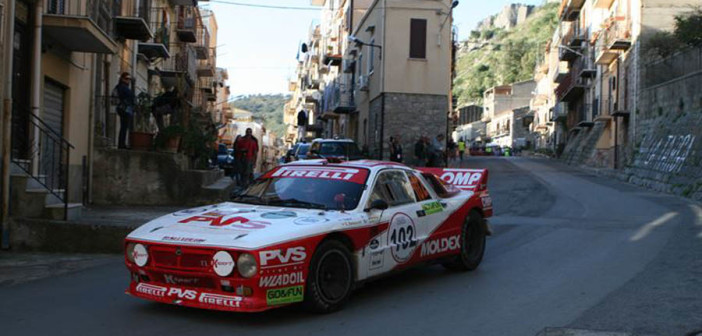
{"type": "Point", "coordinates": [381, 142]}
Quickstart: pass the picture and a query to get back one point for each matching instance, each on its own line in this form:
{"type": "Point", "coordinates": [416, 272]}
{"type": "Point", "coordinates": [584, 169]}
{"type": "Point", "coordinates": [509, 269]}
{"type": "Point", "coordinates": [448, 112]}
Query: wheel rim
{"type": "Point", "coordinates": [334, 276]}
{"type": "Point", "coordinates": [473, 242]}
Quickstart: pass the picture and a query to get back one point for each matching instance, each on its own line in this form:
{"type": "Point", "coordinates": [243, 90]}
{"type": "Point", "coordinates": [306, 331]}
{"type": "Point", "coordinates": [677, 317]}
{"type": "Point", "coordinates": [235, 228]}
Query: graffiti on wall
{"type": "Point", "coordinates": [668, 154]}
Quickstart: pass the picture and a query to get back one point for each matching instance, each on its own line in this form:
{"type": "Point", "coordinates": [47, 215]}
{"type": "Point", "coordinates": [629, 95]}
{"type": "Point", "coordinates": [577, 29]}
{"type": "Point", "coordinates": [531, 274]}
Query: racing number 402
{"type": "Point", "coordinates": [403, 238]}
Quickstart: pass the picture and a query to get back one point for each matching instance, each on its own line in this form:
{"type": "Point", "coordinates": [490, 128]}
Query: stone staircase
{"type": "Point", "coordinates": [29, 198]}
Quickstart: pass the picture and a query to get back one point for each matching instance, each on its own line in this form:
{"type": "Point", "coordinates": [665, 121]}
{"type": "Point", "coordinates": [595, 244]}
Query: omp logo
{"type": "Point", "coordinates": [283, 256]}
{"type": "Point", "coordinates": [176, 280]}
{"type": "Point", "coordinates": [461, 178]}
{"type": "Point", "coordinates": [440, 245]}
{"type": "Point", "coordinates": [151, 290]}
{"type": "Point", "coordinates": [220, 300]}
{"type": "Point", "coordinates": [188, 294]}
{"type": "Point", "coordinates": [281, 280]}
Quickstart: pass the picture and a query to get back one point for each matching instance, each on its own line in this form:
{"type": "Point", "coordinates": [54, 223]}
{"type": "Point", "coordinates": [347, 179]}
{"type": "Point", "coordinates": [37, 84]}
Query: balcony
{"type": "Point", "coordinates": [187, 24]}
{"type": "Point", "coordinates": [202, 45]}
{"type": "Point", "coordinates": [134, 27]}
{"type": "Point", "coordinates": [192, 3]}
{"type": "Point", "coordinates": [586, 68]}
{"type": "Point", "coordinates": [205, 67]}
{"type": "Point", "coordinates": [157, 47]}
{"type": "Point", "coordinates": [570, 9]}
{"type": "Point", "coordinates": [572, 40]}
{"type": "Point", "coordinates": [603, 4]}
{"type": "Point", "coordinates": [72, 24]}
{"type": "Point", "coordinates": [560, 71]}
{"type": "Point", "coordinates": [340, 99]}
{"type": "Point", "coordinates": [571, 88]}
{"type": "Point", "coordinates": [184, 64]}
{"type": "Point", "coordinates": [206, 84]}
{"type": "Point", "coordinates": [614, 39]}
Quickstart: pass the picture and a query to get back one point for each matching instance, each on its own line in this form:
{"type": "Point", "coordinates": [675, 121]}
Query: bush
{"type": "Point", "coordinates": [662, 44]}
{"type": "Point", "coordinates": [687, 28]}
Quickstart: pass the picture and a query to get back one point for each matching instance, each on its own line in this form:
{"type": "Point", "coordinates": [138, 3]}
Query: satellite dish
{"type": "Point", "coordinates": [304, 48]}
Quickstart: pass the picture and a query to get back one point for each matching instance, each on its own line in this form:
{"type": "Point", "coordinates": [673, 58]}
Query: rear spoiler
{"type": "Point", "coordinates": [464, 179]}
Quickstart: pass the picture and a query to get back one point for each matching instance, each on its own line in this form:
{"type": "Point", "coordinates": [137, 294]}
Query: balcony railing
{"type": "Point", "coordinates": [205, 67]}
{"type": "Point", "coordinates": [131, 26]}
{"type": "Point", "coordinates": [202, 45]}
{"type": "Point", "coordinates": [572, 87]}
{"type": "Point", "coordinates": [339, 98]}
{"type": "Point", "coordinates": [612, 40]}
{"type": "Point", "coordinates": [184, 62]}
{"type": "Point", "coordinates": [158, 46]}
{"type": "Point", "coordinates": [187, 24]}
{"type": "Point", "coordinates": [80, 25]}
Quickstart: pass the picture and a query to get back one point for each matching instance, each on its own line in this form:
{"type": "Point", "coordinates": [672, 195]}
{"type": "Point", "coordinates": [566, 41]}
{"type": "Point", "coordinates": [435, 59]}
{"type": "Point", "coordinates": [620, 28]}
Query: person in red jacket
{"type": "Point", "coordinates": [246, 150]}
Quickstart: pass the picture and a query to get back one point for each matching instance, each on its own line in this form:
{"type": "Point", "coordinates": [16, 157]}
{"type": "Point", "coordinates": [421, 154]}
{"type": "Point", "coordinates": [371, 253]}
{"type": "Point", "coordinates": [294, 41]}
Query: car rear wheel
{"type": "Point", "coordinates": [330, 279]}
{"type": "Point", "coordinates": [472, 244]}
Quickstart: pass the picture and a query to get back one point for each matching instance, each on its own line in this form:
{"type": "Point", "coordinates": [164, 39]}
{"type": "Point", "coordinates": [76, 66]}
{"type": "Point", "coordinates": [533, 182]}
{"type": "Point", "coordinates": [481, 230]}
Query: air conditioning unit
{"type": "Point", "coordinates": [363, 83]}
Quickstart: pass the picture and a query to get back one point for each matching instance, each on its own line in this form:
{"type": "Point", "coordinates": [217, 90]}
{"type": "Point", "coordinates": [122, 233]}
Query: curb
{"type": "Point", "coordinates": [36, 235]}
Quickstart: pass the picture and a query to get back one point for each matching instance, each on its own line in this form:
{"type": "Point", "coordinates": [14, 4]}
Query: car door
{"type": "Point", "coordinates": [395, 246]}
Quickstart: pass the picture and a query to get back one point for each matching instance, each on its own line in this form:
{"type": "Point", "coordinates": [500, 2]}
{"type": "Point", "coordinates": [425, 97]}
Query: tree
{"type": "Point", "coordinates": [687, 28]}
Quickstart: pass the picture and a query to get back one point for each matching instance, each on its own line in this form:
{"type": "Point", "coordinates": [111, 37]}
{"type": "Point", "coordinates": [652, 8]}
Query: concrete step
{"type": "Point", "coordinates": [15, 168]}
{"type": "Point", "coordinates": [50, 197]}
{"type": "Point", "coordinates": [218, 191]}
{"type": "Point", "coordinates": [56, 211]}
{"type": "Point", "coordinates": [23, 203]}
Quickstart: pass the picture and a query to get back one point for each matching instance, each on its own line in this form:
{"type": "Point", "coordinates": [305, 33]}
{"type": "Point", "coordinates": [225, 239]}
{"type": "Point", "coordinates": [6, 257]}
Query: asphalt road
{"type": "Point", "coordinates": [569, 250]}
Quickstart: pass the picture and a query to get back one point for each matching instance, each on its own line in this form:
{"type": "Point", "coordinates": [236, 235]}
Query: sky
{"type": "Point", "coordinates": [258, 45]}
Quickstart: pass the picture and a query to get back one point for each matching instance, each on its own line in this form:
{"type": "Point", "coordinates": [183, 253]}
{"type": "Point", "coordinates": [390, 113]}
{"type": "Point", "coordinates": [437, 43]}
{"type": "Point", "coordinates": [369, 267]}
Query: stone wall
{"type": "Point", "coordinates": [412, 115]}
{"type": "Point", "coordinates": [150, 178]}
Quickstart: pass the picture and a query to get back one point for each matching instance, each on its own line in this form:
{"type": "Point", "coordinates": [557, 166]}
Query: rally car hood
{"type": "Point", "coordinates": [243, 226]}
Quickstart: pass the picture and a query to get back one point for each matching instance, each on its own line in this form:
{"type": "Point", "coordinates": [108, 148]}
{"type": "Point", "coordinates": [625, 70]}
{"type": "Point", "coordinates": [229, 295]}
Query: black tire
{"type": "Point", "coordinates": [472, 244]}
{"type": "Point", "coordinates": [330, 279]}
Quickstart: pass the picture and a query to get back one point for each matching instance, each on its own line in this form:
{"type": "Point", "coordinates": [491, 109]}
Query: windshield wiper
{"type": "Point", "coordinates": [294, 202]}
{"type": "Point", "coordinates": [250, 199]}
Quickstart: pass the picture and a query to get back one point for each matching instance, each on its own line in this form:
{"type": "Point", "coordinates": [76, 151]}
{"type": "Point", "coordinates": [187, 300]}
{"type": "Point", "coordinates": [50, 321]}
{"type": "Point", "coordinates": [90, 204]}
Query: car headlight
{"type": "Point", "coordinates": [140, 255]}
{"type": "Point", "coordinates": [223, 263]}
{"type": "Point", "coordinates": [246, 265]}
{"type": "Point", "coordinates": [129, 251]}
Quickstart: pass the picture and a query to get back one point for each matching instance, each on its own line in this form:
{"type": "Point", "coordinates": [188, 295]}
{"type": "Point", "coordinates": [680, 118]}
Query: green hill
{"type": "Point", "coordinates": [268, 108]}
{"type": "Point", "coordinates": [495, 57]}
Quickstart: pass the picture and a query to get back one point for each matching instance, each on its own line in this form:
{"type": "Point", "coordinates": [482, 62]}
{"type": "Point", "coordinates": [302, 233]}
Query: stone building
{"type": "Point", "coordinates": [500, 104]}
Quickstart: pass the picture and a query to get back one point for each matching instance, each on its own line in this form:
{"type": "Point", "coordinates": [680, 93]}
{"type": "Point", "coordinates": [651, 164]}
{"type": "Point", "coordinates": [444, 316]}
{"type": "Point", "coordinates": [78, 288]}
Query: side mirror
{"type": "Point", "coordinates": [378, 205]}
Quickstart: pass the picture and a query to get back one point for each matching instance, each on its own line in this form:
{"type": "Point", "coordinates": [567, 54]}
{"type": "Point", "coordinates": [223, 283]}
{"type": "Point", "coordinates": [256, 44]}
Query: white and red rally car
{"type": "Point", "coordinates": [310, 232]}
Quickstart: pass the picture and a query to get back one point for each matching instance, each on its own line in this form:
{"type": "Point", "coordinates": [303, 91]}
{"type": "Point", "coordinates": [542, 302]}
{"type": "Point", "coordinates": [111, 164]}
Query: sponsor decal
{"type": "Point", "coordinates": [187, 212]}
{"type": "Point", "coordinates": [441, 245]}
{"type": "Point", "coordinates": [220, 300]}
{"type": "Point", "coordinates": [152, 290]}
{"type": "Point", "coordinates": [234, 222]}
{"type": "Point", "coordinates": [374, 244]}
{"type": "Point", "coordinates": [465, 179]}
{"type": "Point", "coordinates": [188, 294]}
{"type": "Point", "coordinates": [281, 280]}
{"type": "Point", "coordinates": [176, 280]}
{"type": "Point", "coordinates": [376, 260]}
{"type": "Point", "coordinates": [309, 220]}
{"type": "Point", "coordinates": [328, 173]}
{"type": "Point", "coordinates": [432, 208]}
{"type": "Point", "coordinates": [350, 221]}
{"type": "Point", "coordinates": [183, 239]}
{"type": "Point", "coordinates": [284, 295]}
{"type": "Point", "coordinates": [139, 255]}
{"type": "Point", "coordinates": [282, 257]}
{"type": "Point", "coordinates": [402, 237]}
{"type": "Point", "coordinates": [279, 215]}
{"type": "Point", "coordinates": [222, 263]}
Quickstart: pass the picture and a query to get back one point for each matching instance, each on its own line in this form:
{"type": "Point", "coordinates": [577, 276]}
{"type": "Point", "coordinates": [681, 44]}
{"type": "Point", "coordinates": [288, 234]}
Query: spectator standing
{"type": "Point", "coordinates": [125, 107]}
{"type": "Point", "coordinates": [461, 148]}
{"type": "Point", "coordinates": [302, 121]}
{"type": "Point", "coordinates": [395, 149]}
{"type": "Point", "coordinates": [437, 152]}
{"type": "Point", "coordinates": [420, 152]}
{"type": "Point", "coordinates": [246, 150]}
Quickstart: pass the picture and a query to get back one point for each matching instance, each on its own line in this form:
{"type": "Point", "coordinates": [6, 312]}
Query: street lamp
{"type": "Point", "coordinates": [360, 43]}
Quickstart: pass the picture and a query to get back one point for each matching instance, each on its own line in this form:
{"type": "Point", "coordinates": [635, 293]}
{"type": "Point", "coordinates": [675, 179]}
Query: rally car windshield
{"type": "Point", "coordinates": [303, 193]}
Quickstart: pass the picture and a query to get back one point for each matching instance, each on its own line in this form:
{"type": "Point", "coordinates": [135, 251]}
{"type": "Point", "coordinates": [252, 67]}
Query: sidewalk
{"type": "Point", "coordinates": [99, 230]}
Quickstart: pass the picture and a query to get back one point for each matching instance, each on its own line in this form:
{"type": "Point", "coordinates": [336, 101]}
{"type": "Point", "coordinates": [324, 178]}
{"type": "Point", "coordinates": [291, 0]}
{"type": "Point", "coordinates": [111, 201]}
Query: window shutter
{"type": "Point", "coordinates": [418, 38]}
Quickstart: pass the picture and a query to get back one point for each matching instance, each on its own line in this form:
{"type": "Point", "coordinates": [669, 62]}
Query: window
{"type": "Point", "coordinates": [360, 65]}
{"type": "Point", "coordinates": [418, 38]}
{"type": "Point", "coordinates": [394, 188]}
{"type": "Point", "coordinates": [371, 59]}
{"type": "Point", "coordinates": [420, 192]}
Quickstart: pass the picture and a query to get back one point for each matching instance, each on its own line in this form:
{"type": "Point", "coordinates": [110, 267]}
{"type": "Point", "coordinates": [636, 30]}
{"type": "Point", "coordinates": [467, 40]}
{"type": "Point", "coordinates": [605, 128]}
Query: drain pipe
{"type": "Point", "coordinates": [7, 123]}
{"type": "Point", "coordinates": [36, 83]}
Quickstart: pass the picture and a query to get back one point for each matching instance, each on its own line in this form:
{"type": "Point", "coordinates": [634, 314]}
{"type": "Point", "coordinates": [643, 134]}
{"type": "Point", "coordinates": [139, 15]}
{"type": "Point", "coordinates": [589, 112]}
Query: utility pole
{"type": "Point", "coordinates": [7, 123]}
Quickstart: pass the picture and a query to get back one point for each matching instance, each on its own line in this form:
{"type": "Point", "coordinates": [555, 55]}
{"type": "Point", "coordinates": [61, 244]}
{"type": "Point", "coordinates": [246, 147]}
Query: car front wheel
{"type": "Point", "coordinates": [330, 279]}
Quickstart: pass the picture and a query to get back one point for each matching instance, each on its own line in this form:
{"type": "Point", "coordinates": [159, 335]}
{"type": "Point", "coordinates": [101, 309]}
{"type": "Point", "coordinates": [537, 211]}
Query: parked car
{"type": "Point", "coordinates": [225, 159]}
{"type": "Point", "coordinates": [302, 151]}
{"type": "Point", "coordinates": [308, 232]}
{"type": "Point", "coordinates": [342, 149]}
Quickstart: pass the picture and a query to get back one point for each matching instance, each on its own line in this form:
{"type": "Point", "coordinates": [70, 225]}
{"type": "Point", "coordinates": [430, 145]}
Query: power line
{"type": "Point", "coordinates": [264, 6]}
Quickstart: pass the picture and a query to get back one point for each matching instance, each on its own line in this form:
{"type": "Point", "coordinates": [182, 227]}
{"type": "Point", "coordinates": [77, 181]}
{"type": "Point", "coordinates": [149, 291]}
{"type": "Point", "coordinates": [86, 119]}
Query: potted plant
{"type": "Point", "coordinates": [141, 137]}
{"type": "Point", "coordinates": [198, 143]}
{"type": "Point", "coordinates": [168, 140]}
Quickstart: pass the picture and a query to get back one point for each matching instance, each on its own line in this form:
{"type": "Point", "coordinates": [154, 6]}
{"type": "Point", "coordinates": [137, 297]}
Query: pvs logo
{"type": "Point", "coordinates": [283, 256]}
